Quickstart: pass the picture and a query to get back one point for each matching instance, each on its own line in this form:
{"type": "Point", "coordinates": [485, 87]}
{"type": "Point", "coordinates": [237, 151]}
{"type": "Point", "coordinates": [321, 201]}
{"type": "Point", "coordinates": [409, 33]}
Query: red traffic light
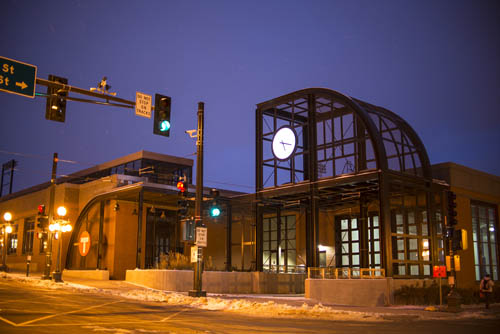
{"type": "Point", "coordinates": [41, 209]}
{"type": "Point", "coordinates": [181, 186]}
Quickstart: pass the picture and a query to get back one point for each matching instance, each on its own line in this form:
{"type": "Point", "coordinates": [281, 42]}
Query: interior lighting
{"type": "Point", "coordinates": [8, 229]}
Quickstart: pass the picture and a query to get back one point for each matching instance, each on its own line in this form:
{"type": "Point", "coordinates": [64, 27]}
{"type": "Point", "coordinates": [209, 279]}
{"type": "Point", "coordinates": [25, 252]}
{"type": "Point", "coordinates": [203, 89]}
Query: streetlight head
{"type": "Point", "coordinates": [7, 216]}
{"type": "Point", "coordinates": [61, 211]}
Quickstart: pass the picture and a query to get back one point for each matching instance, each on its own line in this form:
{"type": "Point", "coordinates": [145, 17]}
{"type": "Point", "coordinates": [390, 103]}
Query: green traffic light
{"type": "Point", "coordinates": [215, 212]}
{"type": "Point", "coordinates": [164, 125]}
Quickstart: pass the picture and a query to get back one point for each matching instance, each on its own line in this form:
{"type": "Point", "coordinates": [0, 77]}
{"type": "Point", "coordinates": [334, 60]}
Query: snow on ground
{"type": "Point", "coordinates": [241, 305]}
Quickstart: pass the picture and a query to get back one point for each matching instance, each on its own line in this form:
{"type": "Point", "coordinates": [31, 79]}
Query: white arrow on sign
{"type": "Point", "coordinates": [21, 84]}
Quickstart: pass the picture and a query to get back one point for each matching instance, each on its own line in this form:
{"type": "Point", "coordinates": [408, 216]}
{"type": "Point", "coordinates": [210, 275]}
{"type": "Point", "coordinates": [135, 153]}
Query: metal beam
{"type": "Point", "coordinates": [82, 91]}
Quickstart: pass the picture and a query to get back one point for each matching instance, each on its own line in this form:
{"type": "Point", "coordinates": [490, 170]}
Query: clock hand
{"type": "Point", "coordinates": [284, 147]}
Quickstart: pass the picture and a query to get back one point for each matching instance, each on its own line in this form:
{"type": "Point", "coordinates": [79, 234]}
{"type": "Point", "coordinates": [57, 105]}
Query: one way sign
{"type": "Point", "coordinates": [17, 77]}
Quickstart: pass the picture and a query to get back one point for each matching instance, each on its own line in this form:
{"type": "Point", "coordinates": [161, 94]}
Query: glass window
{"type": "Point", "coordinates": [12, 240]}
{"type": "Point", "coordinates": [28, 235]}
{"type": "Point", "coordinates": [484, 227]}
{"type": "Point", "coordinates": [282, 258]}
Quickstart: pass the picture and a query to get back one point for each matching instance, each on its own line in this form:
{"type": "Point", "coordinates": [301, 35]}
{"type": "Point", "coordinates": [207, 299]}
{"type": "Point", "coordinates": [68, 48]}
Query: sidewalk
{"type": "Point", "coordinates": [129, 290]}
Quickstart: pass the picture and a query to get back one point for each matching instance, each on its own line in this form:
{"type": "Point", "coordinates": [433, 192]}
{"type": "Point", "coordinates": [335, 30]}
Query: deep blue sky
{"type": "Point", "coordinates": [435, 63]}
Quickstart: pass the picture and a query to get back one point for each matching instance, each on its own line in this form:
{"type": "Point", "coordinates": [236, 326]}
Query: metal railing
{"type": "Point", "coordinates": [344, 273]}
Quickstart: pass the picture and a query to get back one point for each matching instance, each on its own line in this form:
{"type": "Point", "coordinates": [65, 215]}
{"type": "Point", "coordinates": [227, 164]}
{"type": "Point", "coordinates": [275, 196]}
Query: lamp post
{"type": "Point", "coordinates": [7, 217]}
{"type": "Point", "coordinates": [59, 227]}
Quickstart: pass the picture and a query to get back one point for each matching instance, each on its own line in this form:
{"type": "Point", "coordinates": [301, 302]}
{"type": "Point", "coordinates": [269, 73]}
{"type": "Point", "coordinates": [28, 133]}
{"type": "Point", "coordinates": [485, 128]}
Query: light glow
{"type": "Point", "coordinates": [7, 216]}
{"type": "Point", "coordinates": [61, 211]}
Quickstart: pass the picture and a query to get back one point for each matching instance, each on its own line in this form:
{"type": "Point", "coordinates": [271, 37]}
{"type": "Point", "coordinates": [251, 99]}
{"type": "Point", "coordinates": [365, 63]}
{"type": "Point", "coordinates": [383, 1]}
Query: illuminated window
{"type": "Point", "coordinates": [28, 235]}
{"type": "Point", "coordinates": [484, 237]}
{"type": "Point", "coordinates": [279, 244]}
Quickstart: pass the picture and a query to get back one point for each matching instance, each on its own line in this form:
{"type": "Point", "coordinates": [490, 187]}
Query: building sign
{"type": "Point", "coordinates": [201, 236]}
{"type": "Point", "coordinates": [143, 105]}
{"type": "Point", "coordinates": [84, 243]}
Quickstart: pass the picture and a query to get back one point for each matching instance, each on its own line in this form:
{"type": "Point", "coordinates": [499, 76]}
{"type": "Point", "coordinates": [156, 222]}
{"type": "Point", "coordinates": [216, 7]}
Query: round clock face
{"type": "Point", "coordinates": [284, 143]}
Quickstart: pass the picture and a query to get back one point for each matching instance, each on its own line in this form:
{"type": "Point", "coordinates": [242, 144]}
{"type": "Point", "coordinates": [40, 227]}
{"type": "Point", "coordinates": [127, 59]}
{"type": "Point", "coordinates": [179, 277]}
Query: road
{"type": "Point", "coordinates": [28, 309]}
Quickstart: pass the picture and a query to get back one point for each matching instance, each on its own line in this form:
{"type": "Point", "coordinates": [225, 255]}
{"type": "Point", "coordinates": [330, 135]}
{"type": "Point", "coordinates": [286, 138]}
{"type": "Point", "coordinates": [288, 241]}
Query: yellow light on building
{"type": "Point", "coordinates": [61, 211]}
{"type": "Point", "coordinates": [7, 217]}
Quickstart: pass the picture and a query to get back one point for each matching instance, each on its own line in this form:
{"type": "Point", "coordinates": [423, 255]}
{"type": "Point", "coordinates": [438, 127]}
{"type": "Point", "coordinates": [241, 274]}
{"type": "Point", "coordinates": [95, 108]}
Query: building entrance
{"type": "Point", "coordinates": [160, 235]}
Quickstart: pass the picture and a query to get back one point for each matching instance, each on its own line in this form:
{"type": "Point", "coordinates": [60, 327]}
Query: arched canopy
{"type": "Point", "coordinates": [337, 135]}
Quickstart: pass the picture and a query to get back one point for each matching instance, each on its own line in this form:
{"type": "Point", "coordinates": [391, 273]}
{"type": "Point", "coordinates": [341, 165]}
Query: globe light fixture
{"type": "Point", "coordinates": [7, 216]}
{"type": "Point", "coordinates": [61, 211]}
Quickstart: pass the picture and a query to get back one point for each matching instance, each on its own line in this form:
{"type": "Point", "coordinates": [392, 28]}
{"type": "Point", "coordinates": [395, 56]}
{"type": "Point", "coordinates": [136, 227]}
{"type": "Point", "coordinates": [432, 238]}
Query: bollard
{"type": "Point", "coordinates": [28, 261]}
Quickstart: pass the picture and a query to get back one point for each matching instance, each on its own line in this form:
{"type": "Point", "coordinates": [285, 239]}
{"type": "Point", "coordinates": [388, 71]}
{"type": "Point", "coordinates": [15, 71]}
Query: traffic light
{"type": "Point", "coordinates": [215, 209]}
{"type": "Point", "coordinates": [55, 108]}
{"type": "Point", "coordinates": [182, 203]}
{"type": "Point", "coordinates": [161, 125]}
{"type": "Point", "coordinates": [182, 207]}
{"type": "Point", "coordinates": [181, 186]}
{"type": "Point", "coordinates": [42, 218]}
{"type": "Point", "coordinates": [452, 213]}
{"type": "Point", "coordinates": [459, 241]}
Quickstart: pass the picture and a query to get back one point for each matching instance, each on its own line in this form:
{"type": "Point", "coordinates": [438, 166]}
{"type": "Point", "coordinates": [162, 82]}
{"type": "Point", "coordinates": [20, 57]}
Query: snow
{"type": "Point", "coordinates": [246, 304]}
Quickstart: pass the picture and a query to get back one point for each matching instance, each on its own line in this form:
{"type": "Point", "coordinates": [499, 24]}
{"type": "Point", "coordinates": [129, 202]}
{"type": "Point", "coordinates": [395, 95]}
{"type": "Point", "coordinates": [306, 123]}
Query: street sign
{"type": "Point", "coordinates": [17, 77]}
{"type": "Point", "coordinates": [143, 105]}
{"type": "Point", "coordinates": [84, 243]}
{"type": "Point", "coordinates": [194, 254]}
{"type": "Point", "coordinates": [439, 271]}
{"type": "Point", "coordinates": [201, 236]}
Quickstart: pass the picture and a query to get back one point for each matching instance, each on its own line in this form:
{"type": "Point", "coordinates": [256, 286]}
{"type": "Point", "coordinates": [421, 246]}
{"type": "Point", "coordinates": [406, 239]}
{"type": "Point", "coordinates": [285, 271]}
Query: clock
{"type": "Point", "coordinates": [284, 143]}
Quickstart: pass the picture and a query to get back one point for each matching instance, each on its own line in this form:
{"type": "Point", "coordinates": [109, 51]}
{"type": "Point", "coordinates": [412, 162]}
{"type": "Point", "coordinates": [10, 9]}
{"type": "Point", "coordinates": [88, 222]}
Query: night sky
{"type": "Point", "coordinates": [434, 63]}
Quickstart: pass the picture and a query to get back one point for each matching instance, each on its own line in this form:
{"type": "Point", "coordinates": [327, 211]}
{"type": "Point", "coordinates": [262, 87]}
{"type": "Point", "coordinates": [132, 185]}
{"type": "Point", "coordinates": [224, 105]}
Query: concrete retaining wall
{"type": "Point", "coordinates": [219, 281]}
{"type": "Point", "coordinates": [21, 267]}
{"type": "Point", "coordinates": [170, 280]}
{"type": "Point", "coordinates": [102, 275]}
{"type": "Point", "coordinates": [359, 292]}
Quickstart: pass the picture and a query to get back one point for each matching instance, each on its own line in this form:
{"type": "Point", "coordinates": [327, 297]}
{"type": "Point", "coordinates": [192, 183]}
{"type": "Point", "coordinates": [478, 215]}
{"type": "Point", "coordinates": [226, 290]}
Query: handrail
{"type": "Point", "coordinates": [345, 273]}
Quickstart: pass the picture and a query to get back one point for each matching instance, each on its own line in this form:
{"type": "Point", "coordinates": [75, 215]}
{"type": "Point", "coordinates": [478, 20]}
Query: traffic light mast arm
{"type": "Point", "coordinates": [69, 88]}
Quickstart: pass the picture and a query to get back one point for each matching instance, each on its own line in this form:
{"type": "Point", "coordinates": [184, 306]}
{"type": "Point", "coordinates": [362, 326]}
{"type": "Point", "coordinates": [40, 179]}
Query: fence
{"type": "Point", "coordinates": [344, 273]}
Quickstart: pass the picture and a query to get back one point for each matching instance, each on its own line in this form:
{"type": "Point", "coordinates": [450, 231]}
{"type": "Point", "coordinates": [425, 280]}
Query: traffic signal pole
{"type": "Point", "coordinates": [198, 270]}
{"type": "Point", "coordinates": [119, 102]}
{"type": "Point", "coordinates": [48, 253]}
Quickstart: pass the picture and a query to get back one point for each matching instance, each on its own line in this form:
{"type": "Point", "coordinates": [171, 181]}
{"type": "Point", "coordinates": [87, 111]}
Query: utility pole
{"type": "Point", "coordinates": [198, 270]}
{"type": "Point", "coordinates": [48, 253]}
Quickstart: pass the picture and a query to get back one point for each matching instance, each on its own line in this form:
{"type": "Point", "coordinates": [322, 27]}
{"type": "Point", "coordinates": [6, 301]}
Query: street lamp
{"type": "Point", "coordinates": [58, 227]}
{"type": "Point", "coordinates": [7, 229]}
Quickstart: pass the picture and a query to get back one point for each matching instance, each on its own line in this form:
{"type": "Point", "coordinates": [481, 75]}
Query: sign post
{"type": "Point", "coordinates": [440, 271]}
{"type": "Point", "coordinates": [17, 77]}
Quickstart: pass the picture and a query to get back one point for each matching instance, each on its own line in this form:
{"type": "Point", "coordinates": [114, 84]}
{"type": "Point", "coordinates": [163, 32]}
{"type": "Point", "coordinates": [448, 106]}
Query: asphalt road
{"type": "Point", "coordinates": [28, 309]}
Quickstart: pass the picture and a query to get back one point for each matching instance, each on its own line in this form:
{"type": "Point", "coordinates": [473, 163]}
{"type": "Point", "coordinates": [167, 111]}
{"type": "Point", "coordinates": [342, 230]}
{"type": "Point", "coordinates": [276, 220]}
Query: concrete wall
{"type": "Point", "coordinates": [170, 280]}
{"type": "Point", "coordinates": [219, 281]}
{"type": "Point", "coordinates": [102, 275]}
{"type": "Point", "coordinates": [358, 292]}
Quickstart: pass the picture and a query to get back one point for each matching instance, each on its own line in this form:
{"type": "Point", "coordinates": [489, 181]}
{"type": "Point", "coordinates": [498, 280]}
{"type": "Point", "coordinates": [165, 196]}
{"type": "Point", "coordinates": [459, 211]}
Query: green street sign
{"type": "Point", "coordinates": [17, 77]}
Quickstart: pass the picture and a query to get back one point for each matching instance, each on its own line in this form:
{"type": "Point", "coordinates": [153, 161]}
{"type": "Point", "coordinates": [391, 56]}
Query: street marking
{"type": "Point", "coordinates": [9, 322]}
{"type": "Point", "coordinates": [172, 315]}
{"type": "Point", "coordinates": [64, 313]}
